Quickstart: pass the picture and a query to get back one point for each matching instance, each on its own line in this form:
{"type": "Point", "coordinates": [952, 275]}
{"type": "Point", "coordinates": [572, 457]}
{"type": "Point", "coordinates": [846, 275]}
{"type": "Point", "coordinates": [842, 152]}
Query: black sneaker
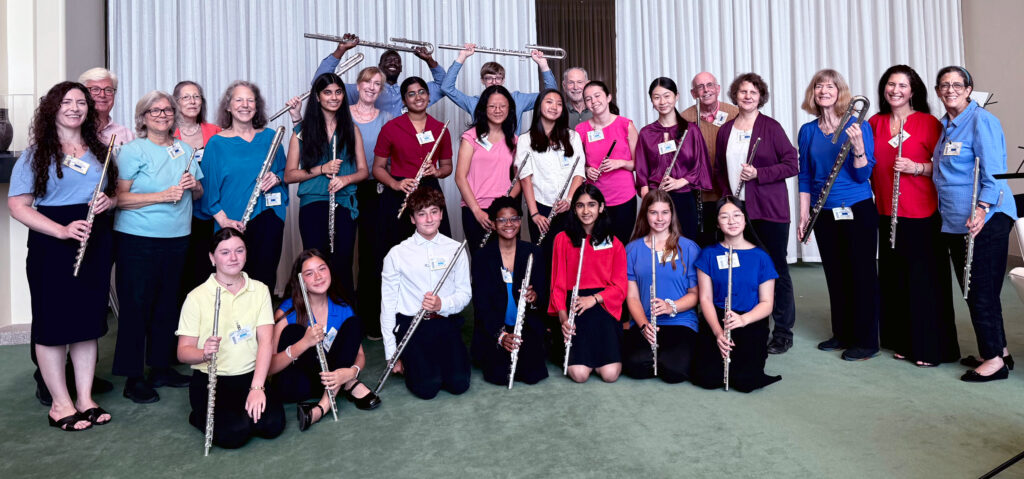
{"type": "Point", "coordinates": [779, 345]}
{"type": "Point", "coordinates": [138, 391]}
{"type": "Point", "coordinates": [859, 354]}
{"type": "Point", "coordinates": [830, 345]}
{"type": "Point", "coordinates": [168, 377]}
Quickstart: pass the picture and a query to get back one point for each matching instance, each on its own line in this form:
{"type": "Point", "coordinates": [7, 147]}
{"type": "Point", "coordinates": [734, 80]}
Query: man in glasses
{"type": "Point", "coordinates": [102, 86]}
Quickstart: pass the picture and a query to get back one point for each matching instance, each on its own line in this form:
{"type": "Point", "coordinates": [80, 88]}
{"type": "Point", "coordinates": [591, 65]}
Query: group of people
{"type": "Point", "coordinates": [659, 251]}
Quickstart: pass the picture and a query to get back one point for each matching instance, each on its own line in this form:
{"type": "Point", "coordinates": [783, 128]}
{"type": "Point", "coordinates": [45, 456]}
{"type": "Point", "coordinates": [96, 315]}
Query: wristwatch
{"type": "Point", "coordinates": [984, 207]}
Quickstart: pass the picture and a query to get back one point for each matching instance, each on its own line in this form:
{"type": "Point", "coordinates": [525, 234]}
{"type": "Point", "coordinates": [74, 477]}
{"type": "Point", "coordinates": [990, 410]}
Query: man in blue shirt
{"type": "Point", "coordinates": [390, 99]}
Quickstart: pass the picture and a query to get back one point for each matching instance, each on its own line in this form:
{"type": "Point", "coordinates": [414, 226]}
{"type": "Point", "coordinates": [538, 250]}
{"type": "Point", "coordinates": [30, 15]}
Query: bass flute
{"type": "Point", "coordinates": [728, 332]}
{"type": "Point", "coordinates": [251, 206]}
{"type": "Point", "coordinates": [561, 194]}
{"type": "Point", "coordinates": [970, 237]}
{"type": "Point", "coordinates": [91, 216]}
{"type": "Point", "coordinates": [427, 160]}
{"type": "Point", "coordinates": [520, 317]}
{"type": "Point", "coordinates": [339, 70]}
{"type": "Point", "coordinates": [572, 308]}
{"type": "Point", "coordinates": [508, 192]}
{"type": "Point", "coordinates": [211, 385]}
{"type": "Point", "coordinates": [750, 160]}
{"type": "Point", "coordinates": [320, 356]}
{"type": "Point", "coordinates": [895, 191]}
{"type": "Point", "coordinates": [654, 295]}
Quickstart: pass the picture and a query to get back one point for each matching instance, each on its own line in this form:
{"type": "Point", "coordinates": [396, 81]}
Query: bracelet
{"type": "Point", "coordinates": [257, 388]}
{"type": "Point", "coordinates": [858, 156]}
{"type": "Point", "coordinates": [534, 214]}
{"type": "Point", "coordinates": [288, 352]}
{"type": "Point", "coordinates": [500, 337]}
{"type": "Point", "coordinates": [920, 170]}
{"type": "Point", "coordinates": [358, 370]}
{"type": "Point", "coordinates": [675, 309]}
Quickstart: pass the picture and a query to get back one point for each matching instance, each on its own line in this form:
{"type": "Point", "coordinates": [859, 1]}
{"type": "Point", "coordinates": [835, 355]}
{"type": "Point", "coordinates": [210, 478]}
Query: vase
{"type": "Point", "coordinates": [6, 131]}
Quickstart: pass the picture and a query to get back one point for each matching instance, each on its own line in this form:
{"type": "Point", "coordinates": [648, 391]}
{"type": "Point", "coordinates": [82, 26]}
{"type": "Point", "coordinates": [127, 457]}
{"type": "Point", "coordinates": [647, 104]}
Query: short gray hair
{"type": "Point", "coordinates": [565, 74]}
{"type": "Point", "coordinates": [143, 106]}
{"type": "Point", "coordinates": [98, 74]}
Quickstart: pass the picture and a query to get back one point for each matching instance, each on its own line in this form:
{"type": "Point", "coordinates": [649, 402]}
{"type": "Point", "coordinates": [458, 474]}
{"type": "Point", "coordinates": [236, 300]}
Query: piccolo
{"type": "Point", "coordinates": [508, 192]}
{"type": "Point", "coordinates": [561, 194]}
{"type": "Point", "coordinates": [895, 191]}
{"type": "Point", "coordinates": [384, 46]}
{"type": "Point", "coordinates": [339, 70]}
{"type": "Point", "coordinates": [750, 161]}
{"type": "Point", "coordinates": [427, 160]}
{"type": "Point", "coordinates": [91, 216]}
{"type": "Point", "coordinates": [188, 166]}
{"type": "Point", "coordinates": [970, 237]}
{"type": "Point", "coordinates": [251, 205]}
{"type": "Point", "coordinates": [728, 332]}
{"type": "Point", "coordinates": [321, 358]}
{"type": "Point", "coordinates": [331, 204]}
{"type": "Point", "coordinates": [572, 308]}
{"type": "Point", "coordinates": [211, 385]}
{"type": "Point", "coordinates": [552, 53]}
{"type": "Point", "coordinates": [415, 323]}
{"type": "Point", "coordinates": [654, 295]}
{"type": "Point", "coordinates": [609, 155]}
{"type": "Point", "coordinates": [672, 164]}
{"type": "Point", "coordinates": [517, 330]}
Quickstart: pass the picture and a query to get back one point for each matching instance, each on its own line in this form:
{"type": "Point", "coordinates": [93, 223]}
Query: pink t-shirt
{"type": "Point", "coordinates": [617, 185]}
{"type": "Point", "coordinates": [488, 174]}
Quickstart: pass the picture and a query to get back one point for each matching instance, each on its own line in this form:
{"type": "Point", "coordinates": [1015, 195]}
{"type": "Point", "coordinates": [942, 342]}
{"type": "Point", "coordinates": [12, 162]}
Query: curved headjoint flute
{"type": "Point", "coordinates": [385, 46]}
{"type": "Point", "coordinates": [274, 145]}
{"type": "Point", "coordinates": [561, 194]}
{"type": "Point", "coordinates": [211, 385]}
{"type": "Point", "coordinates": [517, 330]}
{"type": "Point", "coordinates": [427, 160]}
{"type": "Point", "coordinates": [508, 192]}
{"type": "Point", "coordinates": [750, 160]}
{"type": "Point", "coordinates": [91, 216]}
{"type": "Point", "coordinates": [551, 53]}
{"type": "Point", "coordinates": [339, 70]}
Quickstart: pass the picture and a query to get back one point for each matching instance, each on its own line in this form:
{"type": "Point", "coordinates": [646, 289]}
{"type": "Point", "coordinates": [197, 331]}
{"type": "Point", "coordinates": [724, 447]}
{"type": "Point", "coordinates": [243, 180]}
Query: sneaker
{"type": "Point", "coordinates": [779, 345]}
{"type": "Point", "coordinates": [830, 345]}
{"type": "Point", "coordinates": [138, 391]}
{"type": "Point", "coordinates": [168, 377]}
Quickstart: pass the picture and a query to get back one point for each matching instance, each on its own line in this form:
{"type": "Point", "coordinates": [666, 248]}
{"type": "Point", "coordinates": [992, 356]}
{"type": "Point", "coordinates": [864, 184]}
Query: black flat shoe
{"type": "Point", "coordinates": [973, 362]}
{"type": "Point", "coordinates": [304, 413]}
{"type": "Point", "coordinates": [67, 423]}
{"type": "Point", "coordinates": [859, 354]}
{"type": "Point", "coordinates": [779, 345]}
{"type": "Point", "coordinates": [168, 377]}
{"type": "Point", "coordinates": [972, 376]}
{"type": "Point", "coordinates": [367, 402]}
{"type": "Point", "coordinates": [139, 392]}
{"type": "Point", "coordinates": [830, 345]}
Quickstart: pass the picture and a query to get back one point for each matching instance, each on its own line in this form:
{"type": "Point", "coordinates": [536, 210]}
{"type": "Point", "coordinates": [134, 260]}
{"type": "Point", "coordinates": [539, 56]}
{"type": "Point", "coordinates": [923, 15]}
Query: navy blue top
{"type": "Point", "coordinates": [753, 267]}
{"type": "Point", "coordinates": [818, 155]}
{"type": "Point", "coordinates": [674, 278]}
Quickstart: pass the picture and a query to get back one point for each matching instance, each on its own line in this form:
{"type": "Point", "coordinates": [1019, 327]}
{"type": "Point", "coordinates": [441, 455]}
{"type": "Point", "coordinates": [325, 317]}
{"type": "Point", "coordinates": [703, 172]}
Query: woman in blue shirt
{"type": "Point", "coordinates": [295, 364]}
{"type": "Point", "coordinates": [969, 132]}
{"type": "Point", "coordinates": [326, 158]}
{"type": "Point", "coordinates": [753, 295]}
{"type": "Point", "coordinates": [847, 228]}
{"type": "Point", "coordinates": [674, 299]}
{"type": "Point", "coordinates": [152, 224]}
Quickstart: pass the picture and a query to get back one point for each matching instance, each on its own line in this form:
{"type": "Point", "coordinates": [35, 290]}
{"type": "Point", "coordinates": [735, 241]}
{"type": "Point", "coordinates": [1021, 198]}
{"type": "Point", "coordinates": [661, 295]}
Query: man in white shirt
{"type": "Point", "coordinates": [435, 358]}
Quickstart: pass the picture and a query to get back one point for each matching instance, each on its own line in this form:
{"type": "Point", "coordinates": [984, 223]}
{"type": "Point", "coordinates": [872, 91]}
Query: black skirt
{"type": "Point", "coordinates": [68, 309]}
{"type": "Point", "coordinates": [746, 368]}
{"type": "Point", "coordinates": [598, 336]}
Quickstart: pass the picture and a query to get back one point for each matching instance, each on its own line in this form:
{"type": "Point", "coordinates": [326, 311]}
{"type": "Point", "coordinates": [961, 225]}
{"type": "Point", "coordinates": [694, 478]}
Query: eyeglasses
{"type": "Point", "coordinates": [416, 93]}
{"type": "Point", "coordinates": [188, 98]}
{"type": "Point", "coordinates": [509, 220]}
{"type": "Point", "coordinates": [493, 78]}
{"type": "Point", "coordinates": [957, 87]}
{"type": "Point", "coordinates": [95, 90]}
{"type": "Point", "coordinates": [155, 112]}
{"type": "Point", "coordinates": [706, 86]}
{"type": "Point", "coordinates": [497, 107]}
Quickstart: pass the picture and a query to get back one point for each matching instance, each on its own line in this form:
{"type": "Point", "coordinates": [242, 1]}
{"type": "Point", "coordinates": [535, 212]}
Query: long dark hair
{"type": "Point", "coordinates": [47, 144]}
{"type": "Point", "coordinates": [334, 292]}
{"type": "Point", "coordinates": [314, 128]}
{"type": "Point", "coordinates": [918, 92]}
{"type": "Point", "coordinates": [642, 228]}
{"type": "Point", "coordinates": [748, 232]}
{"type": "Point", "coordinates": [668, 84]}
{"type": "Point", "coordinates": [602, 226]}
{"type": "Point", "coordinates": [508, 127]}
{"type": "Point", "coordinates": [559, 137]}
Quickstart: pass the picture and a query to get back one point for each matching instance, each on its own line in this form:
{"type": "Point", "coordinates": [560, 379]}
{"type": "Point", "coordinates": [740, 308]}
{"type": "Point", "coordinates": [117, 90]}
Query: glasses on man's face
{"type": "Point", "coordinates": [493, 79]}
{"type": "Point", "coordinates": [188, 98]}
{"type": "Point", "coordinates": [95, 90]}
{"type": "Point", "coordinates": [706, 86]}
{"type": "Point", "coordinates": [416, 93]}
{"type": "Point", "coordinates": [957, 87]}
{"type": "Point", "coordinates": [155, 112]}
{"type": "Point", "coordinates": [514, 220]}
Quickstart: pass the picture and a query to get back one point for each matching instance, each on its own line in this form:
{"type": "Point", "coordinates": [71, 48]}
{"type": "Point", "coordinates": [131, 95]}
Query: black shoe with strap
{"type": "Point", "coordinates": [367, 402]}
{"type": "Point", "coordinates": [973, 362]}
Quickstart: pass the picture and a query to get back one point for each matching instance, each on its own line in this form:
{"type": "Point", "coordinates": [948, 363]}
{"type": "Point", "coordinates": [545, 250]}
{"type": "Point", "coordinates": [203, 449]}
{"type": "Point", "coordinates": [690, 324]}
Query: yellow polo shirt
{"type": "Point", "coordinates": [239, 313]}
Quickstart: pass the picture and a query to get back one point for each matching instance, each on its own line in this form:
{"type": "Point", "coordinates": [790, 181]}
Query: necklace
{"type": "Point", "coordinates": [186, 132]}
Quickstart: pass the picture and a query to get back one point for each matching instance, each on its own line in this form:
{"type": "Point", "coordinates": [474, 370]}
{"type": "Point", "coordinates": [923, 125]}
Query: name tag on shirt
{"type": "Point", "coordinates": [666, 147]}
{"type": "Point", "coordinates": [595, 135]}
{"type": "Point", "coordinates": [240, 335]}
{"type": "Point", "coordinates": [723, 260]}
{"type": "Point", "coordinates": [604, 245]}
{"type": "Point", "coordinates": [175, 150]}
{"type": "Point", "coordinates": [506, 275]}
{"type": "Point", "coordinates": [426, 137]}
{"type": "Point", "coordinates": [273, 199]}
{"type": "Point", "coordinates": [438, 263]}
{"type": "Point", "coordinates": [76, 164]}
{"type": "Point", "coordinates": [329, 338]}
{"type": "Point", "coordinates": [199, 155]}
{"type": "Point", "coordinates": [842, 213]}
{"type": "Point", "coordinates": [565, 162]}
{"type": "Point", "coordinates": [744, 137]}
{"type": "Point", "coordinates": [952, 148]}
{"type": "Point", "coordinates": [720, 118]}
{"type": "Point", "coordinates": [895, 140]}
{"type": "Point", "coordinates": [484, 143]}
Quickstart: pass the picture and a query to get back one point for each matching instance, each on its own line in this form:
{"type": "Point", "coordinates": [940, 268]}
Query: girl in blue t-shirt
{"type": "Point", "coordinates": [753, 292]}
{"type": "Point", "coordinates": [674, 299]}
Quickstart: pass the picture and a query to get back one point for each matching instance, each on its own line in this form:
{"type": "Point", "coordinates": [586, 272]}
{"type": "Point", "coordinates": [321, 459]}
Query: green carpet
{"type": "Point", "coordinates": [827, 418]}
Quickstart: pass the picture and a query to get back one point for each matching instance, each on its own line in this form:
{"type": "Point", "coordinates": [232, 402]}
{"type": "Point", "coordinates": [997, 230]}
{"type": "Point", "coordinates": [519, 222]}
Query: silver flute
{"type": "Point", "coordinates": [211, 385]}
{"type": "Point", "coordinates": [385, 46]}
{"type": "Point", "coordinates": [572, 308]}
{"type": "Point", "coordinates": [508, 192]}
{"type": "Point", "coordinates": [672, 164]}
{"type": "Point", "coordinates": [319, 345]}
{"type": "Point", "coordinates": [331, 204]}
{"type": "Point", "coordinates": [654, 295]}
{"type": "Point", "coordinates": [553, 53]}
{"type": "Point", "coordinates": [561, 194]}
{"type": "Point", "coordinates": [970, 237]}
{"type": "Point", "coordinates": [750, 160]}
{"type": "Point", "coordinates": [517, 331]}
{"type": "Point", "coordinates": [893, 218]}
{"type": "Point", "coordinates": [339, 70]}
{"type": "Point", "coordinates": [427, 160]}
{"type": "Point", "coordinates": [416, 320]}
{"type": "Point", "coordinates": [91, 216]}
{"type": "Point", "coordinates": [728, 332]}
{"type": "Point", "coordinates": [188, 166]}
{"type": "Point", "coordinates": [251, 205]}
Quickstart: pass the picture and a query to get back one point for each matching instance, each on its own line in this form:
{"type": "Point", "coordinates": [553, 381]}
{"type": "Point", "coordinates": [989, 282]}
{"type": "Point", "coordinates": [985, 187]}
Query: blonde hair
{"type": "Point", "coordinates": [143, 106]}
{"type": "Point", "coordinates": [98, 74]}
{"type": "Point", "coordinates": [842, 98]}
{"type": "Point", "coordinates": [367, 74]}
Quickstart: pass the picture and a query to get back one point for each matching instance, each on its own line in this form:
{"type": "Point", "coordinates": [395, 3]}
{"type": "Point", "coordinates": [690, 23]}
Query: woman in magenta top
{"type": "Point", "coordinates": [655, 149]}
{"type": "Point", "coordinates": [485, 157]}
{"type": "Point", "coordinates": [611, 171]}
{"type": "Point", "coordinates": [917, 320]}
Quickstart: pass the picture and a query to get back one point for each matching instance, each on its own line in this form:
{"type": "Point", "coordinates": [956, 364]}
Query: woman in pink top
{"type": "Point", "coordinates": [482, 172]}
{"type": "Point", "coordinates": [610, 168]}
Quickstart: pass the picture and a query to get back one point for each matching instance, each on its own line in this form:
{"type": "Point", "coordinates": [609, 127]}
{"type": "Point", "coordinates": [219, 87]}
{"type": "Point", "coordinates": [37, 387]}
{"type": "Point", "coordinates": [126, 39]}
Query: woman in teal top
{"type": "Point", "coordinates": [232, 164]}
{"type": "Point", "coordinates": [326, 158]}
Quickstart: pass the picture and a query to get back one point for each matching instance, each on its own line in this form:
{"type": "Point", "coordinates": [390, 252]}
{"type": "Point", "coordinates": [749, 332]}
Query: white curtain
{"type": "Point", "coordinates": [785, 41]}
{"type": "Point", "coordinates": [154, 44]}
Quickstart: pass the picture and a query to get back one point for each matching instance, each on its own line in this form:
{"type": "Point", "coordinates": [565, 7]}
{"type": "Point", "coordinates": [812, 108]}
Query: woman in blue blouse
{"type": "Point", "coordinates": [326, 158]}
{"type": "Point", "coordinates": [232, 163]}
{"type": "Point", "coordinates": [970, 131]}
{"type": "Point", "coordinates": [675, 298]}
{"type": "Point", "coordinates": [847, 227]}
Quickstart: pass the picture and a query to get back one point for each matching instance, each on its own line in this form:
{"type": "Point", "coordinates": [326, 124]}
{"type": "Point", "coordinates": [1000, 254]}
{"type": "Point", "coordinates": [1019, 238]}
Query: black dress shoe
{"type": "Point", "coordinates": [972, 376]}
{"type": "Point", "coordinates": [43, 395]}
{"type": "Point", "coordinates": [859, 354]}
{"type": "Point", "coordinates": [168, 377]}
{"type": "Point", "coordinates": [367, 402]}
{"type": "Point", "coordinates": [973, 362]}
{"type": "Point", "coordinates": [138, 391]}
{"type": "Point", "coordinates": [830, 345]}
{"type": "Point", "coordinates": [100, 385]}
{"type": "Point", "coordinates": [779, 345]}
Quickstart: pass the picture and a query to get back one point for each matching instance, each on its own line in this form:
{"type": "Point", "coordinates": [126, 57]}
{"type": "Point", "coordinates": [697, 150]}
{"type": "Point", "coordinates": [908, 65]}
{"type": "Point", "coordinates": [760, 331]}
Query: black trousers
{"type": "Point", "coordinates": [623, 218]}
{"type": "Point", "coordinates": [686, 211]}
{"type": "Point", "coordinates": [848, 255]}
{"type": "Point", "coordinates": [301, 379]}
{"type": "Point", "coordinates": [197, 258]}
{"type": "Point", "coordinates": [987, 271]}
{"type": "Point", "coordinates": [710, 216]}
{"type": "Point", "coordinates": [748, 357]}
{"type": "Point", "coordinates": [775, 237]}
{"type": "Point", "coordinates": [315, 234]}
{"type": "Point", "coordinates": [553, 330]}
{"type": "Point", "coordinates": [473, 231]}
{"type": "Point", "coordinates": [232, 426]}
{"type": "Point", "coordinates": [675, 351]}
{"type": "Point", "coordinates": [147, 278]}
{"type": "Point", "coordinates": [264, 236]}
{"type": "Point", "coordinates": [530, 368]}
{"type": "Point", "coordinates": [435, 357]}
{"type": "Point", "coordinates": [368, 281]}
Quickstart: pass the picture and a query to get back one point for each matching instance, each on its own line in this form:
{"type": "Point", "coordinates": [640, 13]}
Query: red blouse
{"type": "Point", "coordinates": [397, 140]}
{"type": "Point", "coordinates": [604, 268]}
{"type": "Point", "coordinates": [917, 193]}
{"type": "Point", "coordinates": [208, 129]}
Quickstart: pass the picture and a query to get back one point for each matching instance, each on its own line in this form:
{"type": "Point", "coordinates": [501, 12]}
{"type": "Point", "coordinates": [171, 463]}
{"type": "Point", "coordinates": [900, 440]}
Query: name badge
{"type": "Point", "coordinates": [484, 143]}
{"type": "Point", "coordinates": [175, 150]}
{"type": "Point", "coordinates": [660, 255]}
{"type": "Point", "coordinates": [720, 118]}
{"type": "Point", "coordinates": [426, 137]}
{"type": "Point", "coordinates": [607, 243]}
{"type": "Point", "coordinates": [506, 275]}
{"type": "Point", "coordinates": [952, 148]}
{"type": "Point", "coordinates": [565, 162]}
{"type": "Point", "coordinates": [242, 334]}
{"type": "Point", "coordinates": [329, 338]}
{"type": "Point", "coordinates": [895, 140]}
{"type": "Point", "coordinates": [745, 136]}
{"type": "Point", "coordinates": [842, 213]}
{"type": "Point", "coordinates": [666, 147]}
{"type": "Point", "coordinates": [723, 260]}
{"type": "Point", "coordinates": [273, 199]}
{"type": "Point", "coordinates": [595, 135]}
{"type": "Point", "coordinates": [76, 164]}
{"type": "Point", "coordinates": [199, 155]}
{"type": "Point", "coordinates": [438, 263]}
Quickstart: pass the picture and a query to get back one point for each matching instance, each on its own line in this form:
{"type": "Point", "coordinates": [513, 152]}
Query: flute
{"type": "Point", "coordinates": [520, 317]}
{"type": "Point", "coordinates": [895, 191]}
{"type": "Point", "coordinates": [251, 205]}
{"type": "Point", "coordinates": [970, 237]}
{"type": "Point", "coordinates": [211, 386]}
{"type": "Point", "coordinates": [339, 70]}
{"type": "Point", "coordinates": [91, 216]}
{"type": "Point", "coordinates": [654, 294]}
{"type": "Point", "coordinates": [561, 194]}
{"type": "Point", "coordinates": [416, 320]}
{"type": "Point", "coordinates": [750, 160]}
{"type": "Point", "coordinates": [728, 332]}
{"type": "Point", "coordinates": [331, 204]}
{"type": "Point", "coordinates": [572, 308]}
{"type": "Point", "coordinates": [508, 192]}
{"type": "Point", "coordinates": [188, 166]}
{"type": "Point", "coordinates": [426, 162]}
{"type": "Point", "coordinates": [321, 358]}
{"type": "Point", "coordinates": [609, 155]}
{"type": "Point", "coordinates": [672, 164]}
